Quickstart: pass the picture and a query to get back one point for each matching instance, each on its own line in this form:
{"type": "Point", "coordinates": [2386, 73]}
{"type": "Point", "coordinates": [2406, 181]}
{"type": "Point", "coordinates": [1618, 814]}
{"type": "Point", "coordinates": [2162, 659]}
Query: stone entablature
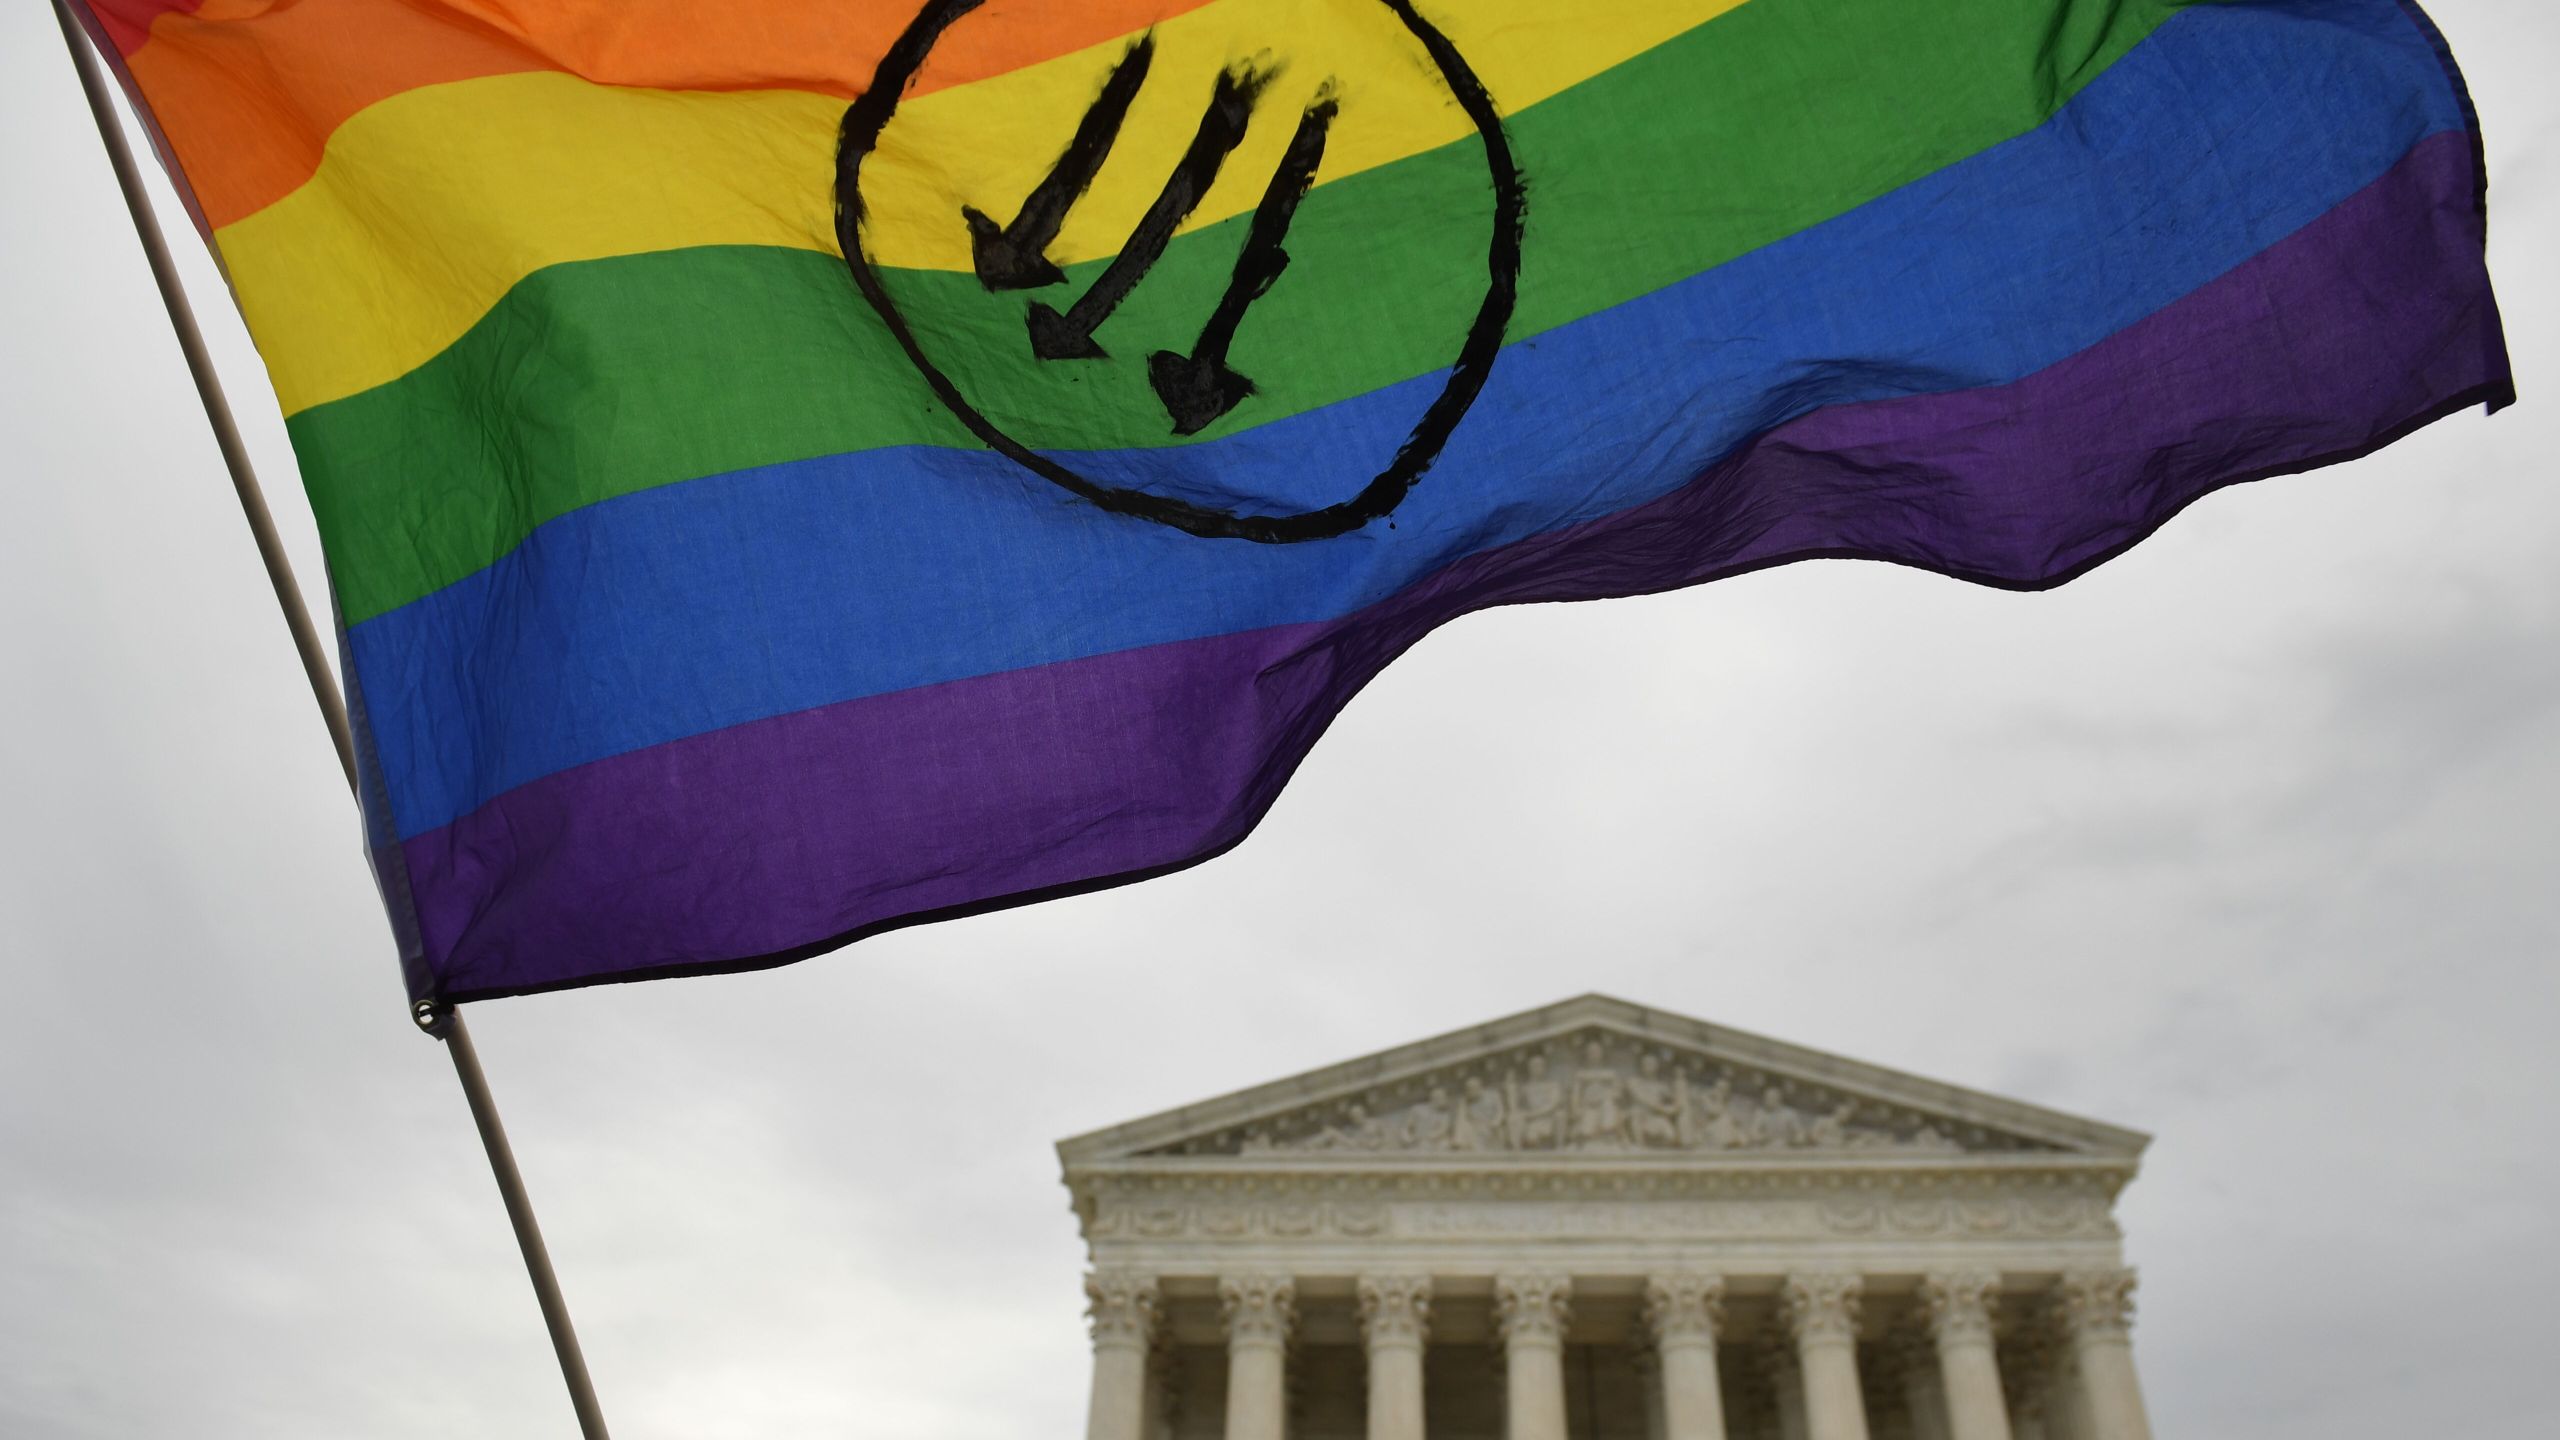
{"type": "Point", "coordinates": [1766, 1242]}
{"type": "Point", "coordinates": [1143, 1213]}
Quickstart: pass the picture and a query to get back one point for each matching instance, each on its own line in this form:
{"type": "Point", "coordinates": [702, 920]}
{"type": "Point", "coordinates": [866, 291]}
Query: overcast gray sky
{"type": "Point", "coordinates": [2246, 840]}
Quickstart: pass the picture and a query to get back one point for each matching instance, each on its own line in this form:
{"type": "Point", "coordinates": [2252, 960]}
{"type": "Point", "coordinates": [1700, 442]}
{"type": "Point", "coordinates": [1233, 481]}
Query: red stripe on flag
{"type": "Point", "coordinates": [128, 22]}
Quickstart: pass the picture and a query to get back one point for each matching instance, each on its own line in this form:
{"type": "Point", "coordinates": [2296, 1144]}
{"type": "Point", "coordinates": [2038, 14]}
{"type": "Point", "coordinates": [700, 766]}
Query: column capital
{"type": "Point", "coordinates": [1260, 1310]}
{"type": "Point", "coordinates": [1394, 1310]}
{"type": "Point", "coordinates": [1822, 1306]}
{"type": "Point", "coordinates": [1960, 1305]}
{"type": "Point", "coordinates": [1120, 1308]}
{"type": "Point", "coordinates": [1684, 1308]}
{"type": "Point", "coordinates": [2095, 1304]}
{"type": "Point", "coordinates": [1533, 1308]}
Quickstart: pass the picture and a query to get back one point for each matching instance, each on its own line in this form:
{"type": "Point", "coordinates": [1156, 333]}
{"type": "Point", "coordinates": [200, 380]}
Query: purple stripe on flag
{"type": "Point", "coordinates": [771, 840]}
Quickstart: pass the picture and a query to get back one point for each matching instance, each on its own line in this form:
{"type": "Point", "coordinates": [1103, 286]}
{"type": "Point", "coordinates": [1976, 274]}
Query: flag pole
{"type": "Point", "coordinates": [444, 1022]}
{"type": "Point", "coordinates": [537, 1256]}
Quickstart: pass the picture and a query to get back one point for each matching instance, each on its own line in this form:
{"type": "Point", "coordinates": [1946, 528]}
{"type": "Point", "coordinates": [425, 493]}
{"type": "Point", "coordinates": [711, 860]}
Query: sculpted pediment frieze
{"type": "Point", "coordinates": [1600, 1092]}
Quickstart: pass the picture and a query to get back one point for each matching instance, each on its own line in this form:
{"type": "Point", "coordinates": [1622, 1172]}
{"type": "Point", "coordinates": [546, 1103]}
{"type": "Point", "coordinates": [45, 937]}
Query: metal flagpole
{"type": "Point", "coordinates": [445, 1023]}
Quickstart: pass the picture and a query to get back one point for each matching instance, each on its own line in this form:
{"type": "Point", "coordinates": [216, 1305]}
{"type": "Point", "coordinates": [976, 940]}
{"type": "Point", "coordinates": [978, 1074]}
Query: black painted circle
{"type": "Point", "coordinates": [866, 117]}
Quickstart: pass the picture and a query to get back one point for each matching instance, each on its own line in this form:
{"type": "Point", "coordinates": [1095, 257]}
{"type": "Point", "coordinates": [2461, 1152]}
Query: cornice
{"type": "Point", "coordinates": [1600, 1176]}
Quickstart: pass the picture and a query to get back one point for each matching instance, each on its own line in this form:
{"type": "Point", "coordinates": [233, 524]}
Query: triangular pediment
{"type": "Point", "coordinates": [1603, 1081]}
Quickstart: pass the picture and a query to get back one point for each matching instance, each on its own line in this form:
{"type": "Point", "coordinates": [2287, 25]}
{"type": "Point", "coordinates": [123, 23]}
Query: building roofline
{"type": "Point", "coordinates": [2072, 1133]}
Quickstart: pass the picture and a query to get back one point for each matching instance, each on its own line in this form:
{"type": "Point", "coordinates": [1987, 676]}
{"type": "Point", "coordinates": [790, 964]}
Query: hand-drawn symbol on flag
{"type": "Point", "coordinates": [1196, 388]}
{"type": "Point", "coordinates": [1222, 126]}
{"type": "Point", "coordinates": [1199, 387]}
{"type": "Point", "coordinates": [1014, 257]}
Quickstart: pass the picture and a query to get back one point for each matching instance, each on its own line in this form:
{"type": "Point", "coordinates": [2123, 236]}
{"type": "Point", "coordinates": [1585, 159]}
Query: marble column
{"type": "Point", "coordinates": [1395, 1322]}
{"type": "Point", "coordinates": [1260, 1310]}
{"type": "Point", "coordinates": [1684, 1312]}
{"type": "Point", "coordinates": [1960, 1321]}
{"type": "Point", "coordinates": [1786, 1388]}
{"type": "Point", "coordinates": [1120, 1306]}
{"type": "Point", "coordinates": [1821, 1312]}
{"type": "Point", "coordinates": [1164, 1388]}
{"type": "Point", "coordinates": [1533, 1311]}
{"type": "Point", "coordinates": [2024, 1376]}
{"type": "Point", "coordinates": [2066, 1400]}
{"type": "Point", "coordinates": [2097, 1318]}
{"type": "Point", "coordinates": [1915, 1364]}
{"type": "Point", "coordinates": [1648, 1367]}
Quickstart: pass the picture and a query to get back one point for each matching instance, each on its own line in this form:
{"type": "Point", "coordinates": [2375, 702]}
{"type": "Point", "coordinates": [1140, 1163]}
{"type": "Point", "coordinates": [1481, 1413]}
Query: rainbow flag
{"type": "Point", "coordinates": [790, 468]}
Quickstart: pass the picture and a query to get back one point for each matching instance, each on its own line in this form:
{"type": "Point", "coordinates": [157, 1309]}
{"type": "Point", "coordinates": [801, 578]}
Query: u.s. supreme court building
{"type": "Point", "coordinates": [1597, 1221]}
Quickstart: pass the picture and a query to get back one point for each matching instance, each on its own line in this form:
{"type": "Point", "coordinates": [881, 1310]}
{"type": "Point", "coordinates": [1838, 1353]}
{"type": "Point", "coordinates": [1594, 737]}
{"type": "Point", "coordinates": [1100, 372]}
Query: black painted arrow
{"type": "Point", "coordinates": [1016, 256]}
{"type": "Point", "coordinates": [1069, 336]}
{"type": "Point", "coordinates": [1198, 388]}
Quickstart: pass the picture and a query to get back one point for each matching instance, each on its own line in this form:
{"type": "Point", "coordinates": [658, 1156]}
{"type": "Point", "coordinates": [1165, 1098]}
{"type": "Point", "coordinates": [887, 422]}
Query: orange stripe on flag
{"type": "Point", "coordinates": [250, 93]}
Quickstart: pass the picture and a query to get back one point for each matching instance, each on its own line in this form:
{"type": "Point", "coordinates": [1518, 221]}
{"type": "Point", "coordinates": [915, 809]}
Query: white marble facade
{"type": "Point", "coordinates": [1601, 1222]}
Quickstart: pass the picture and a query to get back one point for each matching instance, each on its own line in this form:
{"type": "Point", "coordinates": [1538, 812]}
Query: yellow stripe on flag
{"type": "Point", "coordinates": [431, 205]}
